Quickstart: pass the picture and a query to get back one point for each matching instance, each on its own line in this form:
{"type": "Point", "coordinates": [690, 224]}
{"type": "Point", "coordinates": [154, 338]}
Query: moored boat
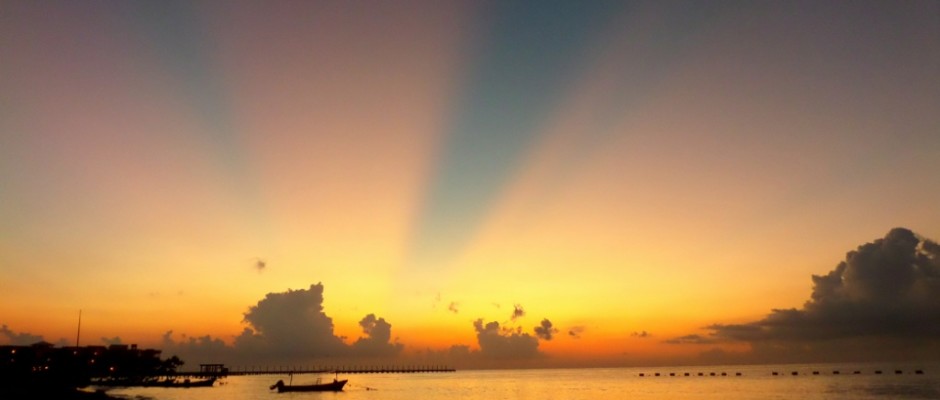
{"type": "Point", "coordinates": [335, 386]}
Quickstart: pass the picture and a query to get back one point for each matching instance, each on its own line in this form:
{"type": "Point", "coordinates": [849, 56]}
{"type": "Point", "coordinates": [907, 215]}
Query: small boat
{"type": "Point", "coordinates": [335, 386]}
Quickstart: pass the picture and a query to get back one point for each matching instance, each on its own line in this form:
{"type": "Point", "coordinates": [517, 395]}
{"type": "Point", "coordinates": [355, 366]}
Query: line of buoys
{"type": "Point", "coordinates": [776, 373]}
{"type": "Point", "coordinates": [673, 374]}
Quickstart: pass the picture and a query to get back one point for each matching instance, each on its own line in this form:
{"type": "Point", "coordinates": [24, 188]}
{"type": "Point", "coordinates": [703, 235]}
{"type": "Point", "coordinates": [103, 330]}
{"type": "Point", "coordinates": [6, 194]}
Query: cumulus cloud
{"type": "Point", "coordinates": [19, 339]}
{"type": "Point", "coordinates": [545, 331]}
{"type": "Point", "coordinates": [497, 343]}
{"type": "Point", "coordinates": [377, 340]}
{"type": "Point", "coordinates": [576, 331]}
{"type": "Point", "coordinates": [500, 346]}
{"type": "Point", "coordinates": [285, 327]}
{"type": "Point", "coordinates": [517, 312]}
{"type": "Point", "coordinates": [883, 298]}
{"type": "Point", "coordinates": [292, 324]}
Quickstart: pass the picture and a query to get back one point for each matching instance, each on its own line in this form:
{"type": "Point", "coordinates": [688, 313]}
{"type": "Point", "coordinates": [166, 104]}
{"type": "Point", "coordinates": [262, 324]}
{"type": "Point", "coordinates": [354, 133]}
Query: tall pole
{"type": "Point", "coordinates": [79, 334]}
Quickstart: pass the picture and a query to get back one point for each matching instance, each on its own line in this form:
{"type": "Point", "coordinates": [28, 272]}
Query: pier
{"type": "Point", "coordinates": [298, 370]}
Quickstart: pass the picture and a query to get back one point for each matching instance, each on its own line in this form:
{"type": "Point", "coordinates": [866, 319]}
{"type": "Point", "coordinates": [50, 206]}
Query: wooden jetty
{"type": "Point", "coordinates": [297, 370]}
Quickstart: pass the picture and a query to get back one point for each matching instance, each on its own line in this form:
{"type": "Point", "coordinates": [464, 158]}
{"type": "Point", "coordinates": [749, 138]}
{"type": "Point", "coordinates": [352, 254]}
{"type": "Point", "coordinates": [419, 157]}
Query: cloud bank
{"type": "Point", "coordinates": [288, 326]}
{"type": "Point", "coordinates": [881, 302]}
{"type": "Point", "coordinates": [496, 343]}
{"type": "Point", "coordinates": [19, 338]}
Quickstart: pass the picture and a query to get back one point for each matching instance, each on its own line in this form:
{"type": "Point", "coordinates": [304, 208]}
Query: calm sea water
{"type": "Point", "coordinates": [755, 382]}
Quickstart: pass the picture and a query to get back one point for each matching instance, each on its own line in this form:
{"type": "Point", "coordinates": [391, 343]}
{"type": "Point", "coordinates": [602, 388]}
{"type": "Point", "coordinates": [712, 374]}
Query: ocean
{"type": "Point", "coordinates": [812, 381]}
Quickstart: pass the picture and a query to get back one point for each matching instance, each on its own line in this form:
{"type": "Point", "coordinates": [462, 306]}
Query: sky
{"type": "Point", "coordinates": [482, 184]}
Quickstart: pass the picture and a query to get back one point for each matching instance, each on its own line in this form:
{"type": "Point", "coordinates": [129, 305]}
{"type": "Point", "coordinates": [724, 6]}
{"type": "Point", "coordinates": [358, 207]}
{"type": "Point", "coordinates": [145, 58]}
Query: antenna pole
{"type": "Point", "coordinates": [79, 334]}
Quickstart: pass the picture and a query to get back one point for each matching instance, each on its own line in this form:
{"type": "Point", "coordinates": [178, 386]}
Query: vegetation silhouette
{"type": "Point", "coordinates": [43, 370]}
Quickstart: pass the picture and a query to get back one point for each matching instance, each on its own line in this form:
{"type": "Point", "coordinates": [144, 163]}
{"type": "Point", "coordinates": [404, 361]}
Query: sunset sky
{"type": "Point", "coordinates": [646, 176]}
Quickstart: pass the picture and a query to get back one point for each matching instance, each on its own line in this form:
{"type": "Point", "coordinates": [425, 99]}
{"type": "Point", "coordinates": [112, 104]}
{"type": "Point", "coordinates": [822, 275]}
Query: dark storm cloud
{"type": "Point", "coordinates": [377, 340]}
{"type": "Point", "coordinates": [19, 339]}
{"type": "Point", "coordinates": [496, 343]}
{"type": "Point", "coordinates": [545, 331]}
{"type": "Point", "coordinates": [517, 312]}
{"type": "Point", "coordinates": [883, 298]}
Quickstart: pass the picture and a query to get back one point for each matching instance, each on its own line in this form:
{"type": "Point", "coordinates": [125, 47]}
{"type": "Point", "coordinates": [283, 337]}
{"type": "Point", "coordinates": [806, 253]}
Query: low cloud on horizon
{"type": "Point", "coordinates": [290, 326]}
{"type": "Point", "coordinates": [19, 338]}
{"type": "Point", "coordinates": [881, 302]}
